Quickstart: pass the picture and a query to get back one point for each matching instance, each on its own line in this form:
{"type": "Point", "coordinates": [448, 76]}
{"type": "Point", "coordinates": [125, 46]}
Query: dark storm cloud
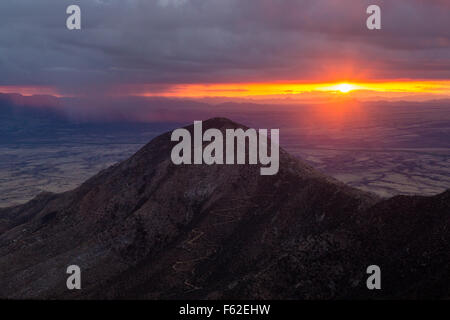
{"type": "Point", "coordinates": [191, 41]}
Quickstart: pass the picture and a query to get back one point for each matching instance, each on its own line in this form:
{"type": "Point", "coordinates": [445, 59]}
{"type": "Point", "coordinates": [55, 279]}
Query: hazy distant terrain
{"type": "Point", "coordinates": [27, 170]}
{"type": "Point", "coordinates": [387, 149]}
{"type": "Point", "coordinates": [386, 172]}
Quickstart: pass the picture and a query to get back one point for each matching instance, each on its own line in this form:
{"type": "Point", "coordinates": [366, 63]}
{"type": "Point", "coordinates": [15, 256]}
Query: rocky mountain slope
{"type": "Point", "coordinates": [146, 228]}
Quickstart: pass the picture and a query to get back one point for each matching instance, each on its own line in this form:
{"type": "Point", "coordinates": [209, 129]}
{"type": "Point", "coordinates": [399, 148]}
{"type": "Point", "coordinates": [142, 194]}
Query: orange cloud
{"type": "Point", "coordinates": [359, 89]}
{"type": "Point", "coordinates": [30, 90]}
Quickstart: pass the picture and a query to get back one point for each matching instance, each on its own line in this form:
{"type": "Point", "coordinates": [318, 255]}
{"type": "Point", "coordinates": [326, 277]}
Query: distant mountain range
{"type": "Point", "coordinates": [148, 229]}
{"type": "Point", "coordinates": [50, 120]}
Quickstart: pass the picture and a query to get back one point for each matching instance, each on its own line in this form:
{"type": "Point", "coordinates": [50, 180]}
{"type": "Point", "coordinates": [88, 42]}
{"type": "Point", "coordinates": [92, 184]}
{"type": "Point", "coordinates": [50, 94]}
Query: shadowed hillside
{"type": "Point", "coordinates": [146, 228]}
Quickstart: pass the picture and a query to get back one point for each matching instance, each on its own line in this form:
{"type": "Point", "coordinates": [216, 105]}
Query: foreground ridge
{"type": "Point", "coordinates": [146, 228]}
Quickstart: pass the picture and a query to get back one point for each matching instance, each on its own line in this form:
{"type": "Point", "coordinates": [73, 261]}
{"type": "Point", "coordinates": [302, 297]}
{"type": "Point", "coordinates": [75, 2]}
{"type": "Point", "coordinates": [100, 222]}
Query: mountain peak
{"type": "Point", "coordinates": [146, 228]}
{"type": "Point", "coordinates": [219, 122]}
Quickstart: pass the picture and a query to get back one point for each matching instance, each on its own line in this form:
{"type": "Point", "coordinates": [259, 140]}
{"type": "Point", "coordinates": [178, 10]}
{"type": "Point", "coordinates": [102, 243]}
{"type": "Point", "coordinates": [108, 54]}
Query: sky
{"type": "Point", "coordinates": [228, 49]}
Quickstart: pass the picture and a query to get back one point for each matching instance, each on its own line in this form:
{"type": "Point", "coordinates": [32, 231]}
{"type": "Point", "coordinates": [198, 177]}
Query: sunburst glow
{"type": "Point", "coordinates": [255, 90]}
{"type": "Point", "coordinates": [345, 87]}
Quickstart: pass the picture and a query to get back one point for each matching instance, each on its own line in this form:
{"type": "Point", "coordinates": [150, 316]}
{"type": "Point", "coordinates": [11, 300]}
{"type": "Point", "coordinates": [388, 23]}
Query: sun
{"type": "Point", "coordinates": [345, 87]}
